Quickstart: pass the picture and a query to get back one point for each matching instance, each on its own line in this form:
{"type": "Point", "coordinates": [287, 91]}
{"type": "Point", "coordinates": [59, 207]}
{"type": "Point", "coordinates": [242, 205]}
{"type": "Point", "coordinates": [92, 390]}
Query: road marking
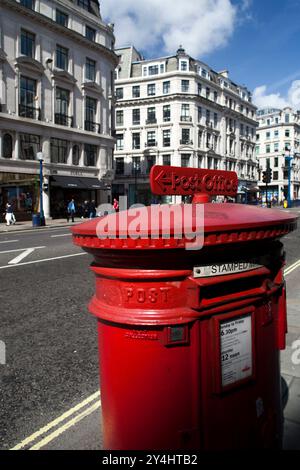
{"type": "Point", "coordinates": [63, 235]}
{"type": "Point", "coordinates": [24, 255]}
{"type": "Point", "coordinates": [41, 260]}
{"type": "Point", "coordinates": [66, 426]}
{"type": "Point", "coordinates": [10, 241]}
{"type": "Point", "coordinates": [292, 268]}
{"type": "Point", "coordinates": [33, 437]}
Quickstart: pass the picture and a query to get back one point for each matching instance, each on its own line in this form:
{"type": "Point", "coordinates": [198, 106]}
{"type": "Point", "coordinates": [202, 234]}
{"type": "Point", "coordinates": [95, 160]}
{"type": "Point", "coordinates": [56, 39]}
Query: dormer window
{"type": "Point", "coordinates": [153, 70]}
{"type": "Point", "coordinates": [183, 65]}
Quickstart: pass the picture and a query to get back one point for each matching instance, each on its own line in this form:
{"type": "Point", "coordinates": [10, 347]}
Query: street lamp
{"type": "Point", "coordinates": [42, 216]}
{"type": "Point", "coordinates": [288, 160]}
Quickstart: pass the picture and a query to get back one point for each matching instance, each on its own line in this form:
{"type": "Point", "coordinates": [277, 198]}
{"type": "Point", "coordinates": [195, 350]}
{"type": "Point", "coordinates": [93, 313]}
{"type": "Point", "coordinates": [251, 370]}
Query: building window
{"type": "Point", "coordinates": [90, 69]}
{"type": "Point", "coordinates": [136, 141]}
{"type": "Point", "coordinates": [90, 115]}
{"type": "Point", "coordinates": [167, 113]}
{"type": "Point", "coordinates": [7, 146]}
{"type": "Point", "coordinates": [136, 116]}
{"type": "Point", "coordinates": [75, 155]}
{"type": "Point", "coordinates": [268, 135]}
{"type": "Point", "coordinates": [62, 57]}
{"type": "Point", "coordinates": [120, 166]}
{"type": "Point", "coordinates": [151, 160]}
{"type": "Point", "coordinates": [199, 113]}
{"type": "Point", "coordinates": [287, 118]}
{"type": "Point", "coordinates": [59, 150]}
{"type": "Point", "coordinates": [28, 4]}
{"type": "Point", "coordinates": [199, 89]}
{"type": "Point", "coordinates": [215, 119]}
{"type": "Point", "coordinates": [136, 165]}
{"type": "Point", "coordinates": [166, 87]}
{"type": "Point", "coordinates": [185, 85]}
{"type": "Point", "coordinates": [151, 116]}
{"type": "Point", "coordinates": [276, 162]}
{"type": "Point", "coordinates": [86, 4]}
{"type": "Point", "coordinates": [185, 136]}
{"type": "Point", "coordinates": [119, 118]}
{"type": "Point", "coordinates": [62, 107]}
{"type": "Point", "coordinates": [30, 146]}
{"type": "Point", "coordinates": [27, 99]}
{"type": "Point", "coordinates": [136, 91]}
{"type": "Point", "coordinates": [90, 33]}
{"type": "Point", "coordinates": [151, 142]}
{"type": "Point", "coordinates": [120, 142]}
{"type": "Point", "coordinates": [268, 148]}
{"type": "Point", "coordinates": [90, 155]}
{"type": "Point", "coordinates": [183, 65]}
{"type": "Point", "coordinates": [185, 160]}
{"type": "Point", "coordinates": [153, 70]}
{"type": "Point", "coordinates": [276, 133]}
{"type": "Point", "coordinates": [215, 96]}
{"type": "Point", "coordinates": [207, 93]}
{"type": "Point", "coordinates": [185, 112]}
{"type": "Point", "coordinates": [27, 43]}
{"type": "Point", "coordinates": [62, 18]}
{"type": "Point", "coordinates": [119, 93]}
{"type": "Point", "coordinates": [167, 138]}
{"type": "Point", "coordinates": [276, 147]}
{"type": "Point", "coordinates": [151, 89]}
{"type": "Point", "coordinates": [287, 133]}
{"type": "Point", "coordinates": [167, 160]}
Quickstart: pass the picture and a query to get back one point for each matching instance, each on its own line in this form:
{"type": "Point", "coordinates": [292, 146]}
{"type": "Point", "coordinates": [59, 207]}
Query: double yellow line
{"type": "Point", "coordinates": [69, 419]}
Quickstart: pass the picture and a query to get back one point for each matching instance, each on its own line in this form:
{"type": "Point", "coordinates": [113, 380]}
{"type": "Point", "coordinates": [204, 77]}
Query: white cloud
{"type": "Point", "coordinates": [201, 26]}
{"type": "Point", "coordinates": [262, 99]}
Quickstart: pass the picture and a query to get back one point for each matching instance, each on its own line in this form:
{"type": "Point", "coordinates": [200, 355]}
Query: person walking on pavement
{"type": "Point", "coordinates": [86, 209]}
{"type": "Point", "coordinates": [9, 215]}
{"type": "Point", "coordinates": [92, 210]}
{"type": "Point", "coordinates": [116, 205]}
{"type": "Point", "coordinates": [71, 209]}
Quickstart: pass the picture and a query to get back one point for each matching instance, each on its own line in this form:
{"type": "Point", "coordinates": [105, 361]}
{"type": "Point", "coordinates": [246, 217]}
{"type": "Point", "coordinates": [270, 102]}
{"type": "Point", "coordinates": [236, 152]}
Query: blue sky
{"type": "Point", "coordinates": [256, 40]}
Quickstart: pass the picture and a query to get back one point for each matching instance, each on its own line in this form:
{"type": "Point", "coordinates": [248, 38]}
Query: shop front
{"type": "Point", "coordinates": [81, 189]}
{"type": "Point", "coordinates": [22, 191]}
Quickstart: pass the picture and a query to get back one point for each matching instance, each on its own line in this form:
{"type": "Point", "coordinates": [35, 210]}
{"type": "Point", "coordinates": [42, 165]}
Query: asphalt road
{"type": "Point", "coordinates": [51, 340]}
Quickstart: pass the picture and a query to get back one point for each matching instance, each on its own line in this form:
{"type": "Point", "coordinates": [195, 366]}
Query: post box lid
{"type": "Point", "coordinates": [222, 224]}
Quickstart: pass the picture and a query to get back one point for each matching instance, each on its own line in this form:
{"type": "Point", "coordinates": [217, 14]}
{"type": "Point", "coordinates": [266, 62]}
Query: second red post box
{"type": "Point", "coordinates": [190, 340]}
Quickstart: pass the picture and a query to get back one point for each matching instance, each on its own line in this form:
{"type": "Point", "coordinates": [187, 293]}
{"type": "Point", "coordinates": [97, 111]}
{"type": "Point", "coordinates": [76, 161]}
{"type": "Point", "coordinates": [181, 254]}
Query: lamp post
{"type": "Point", "coordinates": [42, 217]}
{"type": "Point", "coordinates": [288, 160]}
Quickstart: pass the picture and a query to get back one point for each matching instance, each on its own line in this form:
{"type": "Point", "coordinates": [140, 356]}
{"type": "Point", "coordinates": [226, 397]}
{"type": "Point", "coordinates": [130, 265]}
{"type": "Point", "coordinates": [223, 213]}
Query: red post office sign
{"type": "Point", "coordinates": [185, 181]}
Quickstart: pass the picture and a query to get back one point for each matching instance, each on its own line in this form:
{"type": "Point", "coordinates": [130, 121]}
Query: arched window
{"type": "Point", "coordinates": [7, 146]}
{"type": "Point", "coordinates": [75, 155]}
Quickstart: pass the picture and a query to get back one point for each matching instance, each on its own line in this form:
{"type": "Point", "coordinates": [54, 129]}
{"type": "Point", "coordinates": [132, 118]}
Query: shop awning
{"type": "Point", "coordinates": [92, 183]}
{"type": "Point", "coordinates": [67, 182]}
{"type": "Point", "coordinates": [73, 182]}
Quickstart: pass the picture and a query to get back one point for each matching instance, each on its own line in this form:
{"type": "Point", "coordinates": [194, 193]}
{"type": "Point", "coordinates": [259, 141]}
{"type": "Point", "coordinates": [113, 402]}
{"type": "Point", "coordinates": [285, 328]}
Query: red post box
{"type": "Point", "coordinates": [190, 339]}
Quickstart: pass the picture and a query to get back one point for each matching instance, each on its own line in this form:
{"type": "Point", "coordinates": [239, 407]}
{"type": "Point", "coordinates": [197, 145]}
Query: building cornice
{"type": "Point", "coordinates": [28, 63]}
{"type": "Point", "coordinates": [63, 75]}
{"type": "Point", "coordinates": [49, 23]}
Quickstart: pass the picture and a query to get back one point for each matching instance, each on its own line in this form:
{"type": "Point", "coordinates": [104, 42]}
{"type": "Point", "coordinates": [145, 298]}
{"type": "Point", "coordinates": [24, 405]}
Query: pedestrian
{"type": "Point", "coordinates": [86, 209]}
{"type": "Point", "coordinates": [116, 205]}
{"type": "Point", "coordinates": [71, 209]}
{"type": "Point", "coordinates": [9, 214]}
{"type": "Point", "coordinates": [93, 210]}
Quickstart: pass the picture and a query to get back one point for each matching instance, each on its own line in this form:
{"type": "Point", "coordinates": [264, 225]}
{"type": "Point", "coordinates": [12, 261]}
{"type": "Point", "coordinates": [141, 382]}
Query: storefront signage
{"type": "Point", "coordinates": [184, 181]}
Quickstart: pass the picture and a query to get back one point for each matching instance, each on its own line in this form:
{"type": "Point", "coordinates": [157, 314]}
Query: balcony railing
{"type": "Point", "coordinates": [151, 121]}
{"type": "Point", "coordinates": [29, 112]}
{"type": "Point", "coordinates": [92, 126]}
{"type": "Point", "coordinates": [63, 120]}
{"type": "Point", "coordinates": [186, 142]}
{"type": "Point", "coordinates": [186, 118]}
{"type": "Point", "coordinates": [151, 143]}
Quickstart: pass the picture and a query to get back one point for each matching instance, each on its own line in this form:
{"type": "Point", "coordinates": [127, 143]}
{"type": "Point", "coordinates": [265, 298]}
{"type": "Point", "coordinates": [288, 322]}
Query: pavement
{"type": "Point", "coordinates": [49, 385]}
{"type": "Point", "coordinates": [27, 225]}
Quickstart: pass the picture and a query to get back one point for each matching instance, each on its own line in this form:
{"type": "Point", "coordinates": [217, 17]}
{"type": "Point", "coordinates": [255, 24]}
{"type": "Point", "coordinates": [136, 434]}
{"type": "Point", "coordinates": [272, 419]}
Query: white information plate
{"type": "Point", "coordinates": [224, 269]}
{"type": "Point", "coordinates": [236, 349]}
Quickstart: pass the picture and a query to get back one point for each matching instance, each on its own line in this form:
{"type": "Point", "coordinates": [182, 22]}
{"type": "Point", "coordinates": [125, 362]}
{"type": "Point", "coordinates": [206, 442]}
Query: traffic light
{"type": "Point", "coordinates": [269, 175]}
{"type": "Point", "coordinates": [264, 178]}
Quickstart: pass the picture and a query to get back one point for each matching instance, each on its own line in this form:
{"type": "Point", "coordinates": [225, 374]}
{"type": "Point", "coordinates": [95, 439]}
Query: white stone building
{"type": "Point", "coordinates": [278, 135]}
{"type": "Point", "coordinates": [177, 110]}
{"type": "Point", "coordinates": [57, 63]}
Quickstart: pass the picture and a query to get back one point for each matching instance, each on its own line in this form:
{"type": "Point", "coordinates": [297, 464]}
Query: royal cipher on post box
{"type": "Point", "coordinates": [190, 337]}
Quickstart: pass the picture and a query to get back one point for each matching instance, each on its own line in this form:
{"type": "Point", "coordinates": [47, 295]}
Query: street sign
{"type": "Point", "coordinates": [187, 181]}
